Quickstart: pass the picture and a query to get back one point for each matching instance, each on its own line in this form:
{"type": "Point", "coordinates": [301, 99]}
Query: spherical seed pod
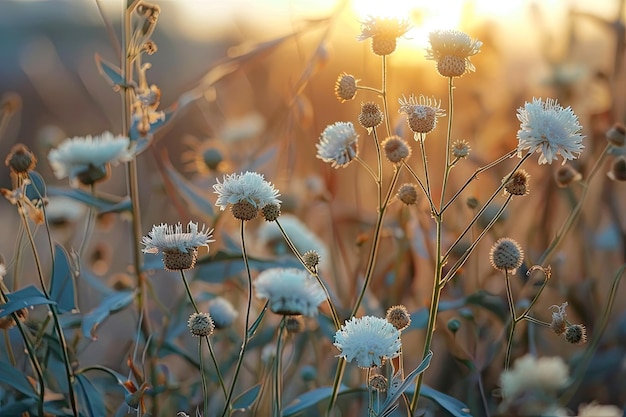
{"type": "Point", "coordinates": [506, 255]}
{"type": "Point", "coordinates": [244, 210]}
{"type": "Point", "coordinates": [200, 324]}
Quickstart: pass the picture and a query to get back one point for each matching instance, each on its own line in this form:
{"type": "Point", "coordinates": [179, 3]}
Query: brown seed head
{"type": "Point", "coordinates": [244, 210]}
{"type": "Point", "coordinates": [271, 212]}
{"type": "Point", "coordinates": [518, 183]}
{"type": "Point", "coordinates": [576, 334]}
{"type": "Point", "coordinates": [616, 135]}
{"type": "Point", "coordinates": [20, 160]}
{"type": "Point", "coordinates": [345, 87]}
{"type": "Point", "coordinates": [407, 193]}
{"type": "Point", "coordinates": [618, 169]}
{"type": "Point", "coordinates": [506, 255]}
{"type": "Point", "coordinates": [175, 260]}
{"type": "Point", "coordinates": [399, 317]}
{"type": "Point", "coordinates": [566, 175]}
{"type": "Point", "coordinates": [451, 66]}
{"type": "Point", "coordinates": [396, 149]}
{"type": "Point", "coordinates": [371, 115]}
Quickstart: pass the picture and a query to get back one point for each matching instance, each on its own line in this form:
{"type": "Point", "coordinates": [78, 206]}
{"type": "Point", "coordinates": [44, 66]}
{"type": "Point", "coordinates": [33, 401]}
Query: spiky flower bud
{"type": "Point", "coordinates": [566, 175]}
{"type": "Point", "coordinates": [20, 160]}
{"type": "Point", "coordinates": [200, 324]}
{"type": "Point", "coordinates": [271, 212]}
{"type": "Point", "coordinates": [345, 87]}
{"type": "Point", "coordinates": [396, 149]}
{"type": "Point", "coordinates": [244, 210]}
{"type": "Point", "coordinates": [399, 317]}
{"type": "Point", "coordinates": [407, 193]}
{"type": "Point", "coordinates": [517, 184]}
{"type": "Point", "coordinates": [576, 334]}
{"type": "Point", "coordinates": [506, 255]}
{"type": "Point", "coordinates": [371, 115]}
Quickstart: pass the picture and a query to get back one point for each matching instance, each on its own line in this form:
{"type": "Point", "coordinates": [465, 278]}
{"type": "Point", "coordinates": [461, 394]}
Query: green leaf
{"type": "Point", "coordinates": [245, 401]}
{"type": "Point", "coordinates": [62, 284]}
{"type": "Point", "coordinates": [109, 305]}
{"type": "Point", "coordinates": [103, 205]}
{"type": "Point", "coordinates": [16, 379]}
{"type": "Point", "coordinates": [26, 297]}
{"type": "Point", "coordinates": [90, 398]}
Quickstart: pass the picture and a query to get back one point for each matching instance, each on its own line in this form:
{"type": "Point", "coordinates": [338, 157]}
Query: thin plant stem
{"type": "Point", "coordinates": [278, 383]}
{"type": "Point", "coordinates": [474, 176]}
{"type": "Point", "coordinates": [446, 173]}
{"type": "Point", "coordinates": [205, 388]}
{"type": "Point", "coordinates": [91, 217]}
{"type": "Point", "coordinates": [370, 393]}
{"type": "Point", "coordinates": [372, 89]}
{"type": "Point", "coordinates": [421, 139]}
{"type": "Point", "coordinates": [576, 211]}
{"type": "Point", "coordinates": [536, 321]}
{"type": "Point", "coordinates": [367, 167]}
{"type": "Point", "coordinates": [548, 274]}
{"type": "Point", "coordinates": [315, 273]}
{"type": "Point", "coordinates": [513, 323]}
{"type": "Point", "coordinates": [208, 341]}
{"type": "Point", "coordinates": [384, 94]}
{"type": "Point", "coordinates": [341, 367]}
{"type": "Point", "coordinates": [244, 342]}
{"type": "Point", "coordinates": [379, 165]}
{"type": "Point", "coordinates": [55, 314]}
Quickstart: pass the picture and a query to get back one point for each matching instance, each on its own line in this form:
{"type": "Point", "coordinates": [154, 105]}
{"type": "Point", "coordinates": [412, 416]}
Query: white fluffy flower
{"type": "Point", "coordinates": [249, 186]}
{"type": "Point", "coordinates": [338, 144]}
{"type": "Point", "coordinates": [452, 50]}
{"type": "Point", "coordinates": [530, 373]}
{"type": "Point", "coordinates": [170, 238]}
{"type": "Point", "coordinates": [368, 340]}
{"type": "Point", "coordinates": [290, 291]}
{"type": "Point", "coordinates": [598, 410]}
{"type": "Point", "coordinates": [222, 312]}
{"type": "Point", "coordinates": [548, 128]}
{"type": "Point", "coordinates": [77, 154]}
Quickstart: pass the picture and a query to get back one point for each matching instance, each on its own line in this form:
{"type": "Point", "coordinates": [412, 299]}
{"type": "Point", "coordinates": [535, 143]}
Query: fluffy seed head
{"type": "Point", "coordinates": [200, 324]}
{"type": "Point", "coordinates": [576, 334]}
{"type": "Point", "coordinates": [460, 149]}
{"type": "Point", "coordinates": [549, 129]}
{"type": "Point", "coordinates": [311, 259]}
{"type": "Point", "coordinates": [179, 248]}
{"type": "Point", "coordinates": [20, 160]}
{"type": "Point", "coordinates": [396, 149]}
{"type": "Point", "coordinates": [407, 193]}
{"type": "Point", "coordinates": [506, 255]}
{"type": "Point", "coordinates": [290, 291]}
{"type": "Point", "coordinates": [222, 312]}
{"type": "Point", "coordinates": [616, 135]}
{"type": "Point", "coordinates": [399, 317]}
{"type": "Point", "coordinates": [517, 184]}
{"type": "Point", "coordinates": [566, 175]}
{"type": "Point", "coordinates": [338, 144]}
{"type": "Point", "coordinates": [248, 186]}
{"type": "Point", "coordinates": [452, 49]}
{"type": "Point", "coordinates": [422, 112]}
{"type": "Point", "coordinates": [384, 33]}
{"type": "Point", "coordinates": [345, 87]}
{"type": "Point", "coordinates": [368, 340]}
{"type": "Point", "coordinates": [547, 374]}
{"type": "Point", "coordinates": [271, 212]}
{"type": "Point", "coordinates": [618, 169]}
{"type": "Point", "coordinates": [371, 115]}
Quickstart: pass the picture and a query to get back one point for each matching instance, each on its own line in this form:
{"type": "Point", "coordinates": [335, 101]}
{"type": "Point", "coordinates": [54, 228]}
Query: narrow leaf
{"type": "Point", "coordinates": [26, 297]}
{"type": "Point", "coordinates": [393, 397]}
{"type": "Point", "coordinates": [62, 285]}
{"type": "Point", "coordinates": [109, 305]}
{"type": "Point", "coordinates": [189, 192]}
{"type": "Point", "coordinates": [16, 379]}
{"type": "Point", "coordinates": [90, 398]}
{"type": "Point", "coordinates": [110, 72]}
{"type": "Point", "coordinates": [245, 401]}
{"type": "Point", "coordinates": [101, 204]}
{"type": "Point", "coordinates": [311, 398]}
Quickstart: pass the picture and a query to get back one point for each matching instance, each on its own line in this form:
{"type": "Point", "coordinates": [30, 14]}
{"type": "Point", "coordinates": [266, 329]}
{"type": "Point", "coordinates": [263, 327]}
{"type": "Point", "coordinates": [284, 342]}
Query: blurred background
{"type": "Point", "coordinates": [252, 83]}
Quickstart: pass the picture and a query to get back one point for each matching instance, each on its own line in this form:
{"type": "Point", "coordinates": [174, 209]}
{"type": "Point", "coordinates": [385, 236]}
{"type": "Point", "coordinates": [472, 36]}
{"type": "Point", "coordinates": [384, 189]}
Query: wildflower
{"type": "Point", "coordinates": [460, 149]}
{"type": "Point", "coordinates": [368, 340]}
{"type": "Point", "coordinates": [618, 169]}
{"type": "Point", "coordinates": [517, 184]}
{"type": "Point", "coordinates": [222, 312]}
{"type": "Point", "coordinates": [294, 324]}
{"type": "Point", "coordinates": [180, 249]}
{"type": "Point", "coordinates": [558, 323]}
{"type": "Point", "coordinates": [21, 160]}
{"type": "Point", "coordinates": [548, 128]}
{"type": "Point", "coordinates": [506, 255]}
{"type": "Point", "coordinates": [451, 49]}
{"type": "Point", "coordinates": [378, 382]}
{"type": "Point", "coordinates": [407, 193]}
{"type": "Point", "coordinates": [290, 291]}
{"type": "Point", "coordinates": [87, 159]}
{"type": "Point", "coordinates": [271, 212]}
{"type": "Point", "coordinates": [7, 322]}
{"type": "Point", "coordinates": [371, 115]}
{"type": "Point", "coordinates": [399, 317]}
{"type": "Point", "coordinates": [384, 33]}
{"type": "Point", "coordinates": [421, 113]}
{"type": "Point", "coordinates": [396, 149]}
{"type": "Point", "coordinates": [345, 87]}
{"type": "Point", "coordinates": [63, 210]}
{"type": "Point", "coordinates": [247, 192]}
{"type": "Point", "coordinates": [566, 175]}
{"type": "Point", "coordinates": [200, 324]}
{"type": "Point", "coordinates": [311, 259]}
{"type": "Point", "coordinates": [338, 144]}
{"type": "Point", "coordinates": [616, 135]}
{"type": "Point", "coordinates": [576, 334]}
{"type": "Point", "coordinates": [530, 373]}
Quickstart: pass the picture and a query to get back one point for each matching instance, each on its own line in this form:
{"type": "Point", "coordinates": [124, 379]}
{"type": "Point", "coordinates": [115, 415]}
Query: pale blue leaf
{"type": "Point", "coordinates": [198, 203]}
{"type": "Point", "coordinates": [110, 72]}
{"type": "Point", "coordinates": [101, 204]}
{"type": "Point", "coordinates": [245, 401]}
{"type": "Point", "coordinates": [16, 379]}
{"type": "Point", "coordinates": [394, 393]}
{"type": "Point", "coordinates": [311, 398]}
{"type": "Point", "coordinates": [62, 284]}
{"type": "Point", "coordinates": [109, 305]}
{"type": "Point", "coordinates": [453, 406]}
{"type": "Point", "coordinates": [91, 399]}
{"type": "Point", "coordinates": [23, 298]}
{"type": "Point", "coordinates": [37, 187]}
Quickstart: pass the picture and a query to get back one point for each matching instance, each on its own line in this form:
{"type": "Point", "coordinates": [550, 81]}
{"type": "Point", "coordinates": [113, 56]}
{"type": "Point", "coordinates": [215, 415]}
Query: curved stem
{"type": "Point", "coordinates": [244, 342]}
{"type": "Point", "coordinates": [367, 167]}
